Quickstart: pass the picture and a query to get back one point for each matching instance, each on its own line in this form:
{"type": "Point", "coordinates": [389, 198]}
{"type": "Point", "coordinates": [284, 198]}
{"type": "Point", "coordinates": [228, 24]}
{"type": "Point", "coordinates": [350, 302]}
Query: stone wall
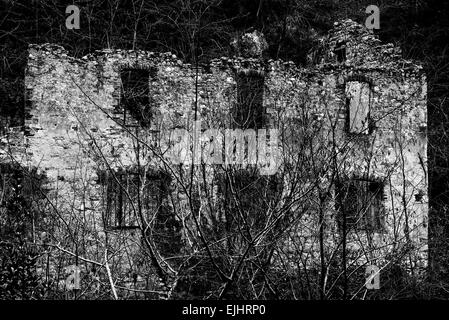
{"type": "Point", "coordinates": [76, 128]}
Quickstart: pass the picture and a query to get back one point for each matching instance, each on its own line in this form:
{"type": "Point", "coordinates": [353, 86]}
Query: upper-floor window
{"type": "Point", "coordinates": [358, 97]}
{"type": "Point", "coordinates": [340, 51]}
{"type": "Point", "coordinates": [135, 96]}
{"type": "Point", "coordinates": [249, 112]}
{"type": "Point", "coordinates": [360, 202]}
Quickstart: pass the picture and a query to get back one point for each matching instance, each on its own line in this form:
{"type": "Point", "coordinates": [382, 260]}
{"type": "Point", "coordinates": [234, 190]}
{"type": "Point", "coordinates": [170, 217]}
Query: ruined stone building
{"type": "Point", "coordinates": [351, 153]}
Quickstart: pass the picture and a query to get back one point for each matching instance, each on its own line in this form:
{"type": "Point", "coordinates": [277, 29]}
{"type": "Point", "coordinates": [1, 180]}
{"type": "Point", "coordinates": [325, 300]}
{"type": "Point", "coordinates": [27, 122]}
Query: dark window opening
{"type": "Point", "coordinates": [11, 107]}
{"type": "Point", "coordinates": [360, 203]}
{"type": "Point", "coordinates": [340, 52]}
{"type": "Point", "coordinates": [21, 191]}
{"type": "Point", "coordinates": [247, 200]}
{"type": "Point", "coordinates": [129, 193]}
{"type": "Point", "coordinates": [249, 111]}
{"type": "Point", "coordinates": [167, 229]}
{"type": "Point", "coordinates": [132, 195]}
{"type": "Point", "coordinates": [11, 188]}
{"type": "Point", "coordinates": [135, 96]}
{"type": "Point", "coordinates": [121, 193]}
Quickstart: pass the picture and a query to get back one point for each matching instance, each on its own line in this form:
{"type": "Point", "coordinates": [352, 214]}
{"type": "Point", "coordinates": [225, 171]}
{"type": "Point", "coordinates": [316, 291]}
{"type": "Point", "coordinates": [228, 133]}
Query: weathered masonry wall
{"type": "Point", "coordinates": [75, 127]}
{"type": "Point", "coordinates": [393, 147]}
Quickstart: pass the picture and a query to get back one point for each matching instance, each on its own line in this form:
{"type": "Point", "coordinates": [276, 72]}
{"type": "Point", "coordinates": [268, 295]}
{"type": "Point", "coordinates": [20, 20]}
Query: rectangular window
{"type": "Point", "coordinates": [248, 197]}
{"type": "Point", "coordinates": [135, 96]}
{"type": "Point", "coordinates": [340, 52]}
{"type": "Point", "coordinates": [127, 192]}
{"type": "Point", "coordinates": [249, 111]}
{"type": "Point", "coordinates": [11, 107]}
{"type": "Point", "coordinates": [130, 192]}
{"type": "Point", "coordinates": [21, 190]}
{"type": "Point", "coordinates": [361, 203]}
{"type": "Point", "coordinates": [121, 194]}
{"type": "Point", "coordinates": [358, 95]}
{"type": "Point", "coordinates": [167, 227]}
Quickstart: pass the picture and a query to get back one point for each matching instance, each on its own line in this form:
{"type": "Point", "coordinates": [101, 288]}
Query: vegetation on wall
{"type": "Point", "coordinates": [196, 31]}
